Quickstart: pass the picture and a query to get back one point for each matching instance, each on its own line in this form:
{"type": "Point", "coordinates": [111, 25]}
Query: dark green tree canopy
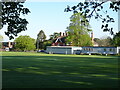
{"type": "Point", "coordinates": [54, 35]}
{"type": "Point", "coordinates": [41, 36]}
{"type": "Point", "coordinates": [103, 41]}
{"type": "Point", "coordinates": [77, 32]}
{"type": "Point", "coordinates": [1, 38]}
{"type": "Point", "coordinates": [40, 39]}
{"type": "Point", "coordinates": [10, 12]}
{"type": "Point", "coordinates": [116, 39]}
{"type": "Point", "coordinates": [25, 43]}
{"type": "Point", "coordinates": [92, 9]}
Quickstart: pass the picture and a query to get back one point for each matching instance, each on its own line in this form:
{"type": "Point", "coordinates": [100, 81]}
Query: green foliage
{"type": "Point", "coordinates": [10, 13]}
{"type": "Point", "coordinates": [47, 43]}
{"type": "Point", "coordinates": [93, 10]}
{"type": "Point", "coordinates": [25, 43]}
{"type": "Point", "coordinates": [40, 40]}
{"type": "Point", "coordinates": [0, 45]}
{"type": "Point", "coordinates": [116, 39]}
{"type": "Point", "coordinates": [104, 42]}
{"type": "Point", "coordinates": [1, 38]}
{"type": "Point", "coordinates": [77, 33]}
{"type": "Point", "coordinates": [54, 35]}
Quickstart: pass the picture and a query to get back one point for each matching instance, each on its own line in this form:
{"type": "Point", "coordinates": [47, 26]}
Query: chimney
{"type": "Point", "coordinates": [92, 37]}
{"type": "Point", "coordinates": [60, 33]}
{"type": "Point", "coordinates": [63, 34]}
{"type": "Point", "coordinates": [66, 33]}
{"type": "Point", "coordinates": [9, 44]}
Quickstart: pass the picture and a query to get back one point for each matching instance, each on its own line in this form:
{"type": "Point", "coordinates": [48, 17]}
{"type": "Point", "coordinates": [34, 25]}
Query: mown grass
{"type": "Point", "coordinates": [36, 70]}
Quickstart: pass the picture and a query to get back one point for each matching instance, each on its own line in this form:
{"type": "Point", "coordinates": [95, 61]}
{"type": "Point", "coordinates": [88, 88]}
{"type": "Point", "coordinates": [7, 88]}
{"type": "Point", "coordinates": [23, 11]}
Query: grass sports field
{"type": "Point", "coordinates": [36, 70]}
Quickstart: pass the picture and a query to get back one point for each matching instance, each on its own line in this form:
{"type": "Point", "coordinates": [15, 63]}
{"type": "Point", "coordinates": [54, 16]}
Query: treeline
{"type": "Point", "coordinates": [26, 43]}
{"type": "Point", "coordinates": [77, 35]}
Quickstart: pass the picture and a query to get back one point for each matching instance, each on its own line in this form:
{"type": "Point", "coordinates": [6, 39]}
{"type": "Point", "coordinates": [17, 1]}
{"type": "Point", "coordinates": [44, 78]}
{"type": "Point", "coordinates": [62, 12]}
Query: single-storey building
{"type": "Point", "coordinates": [7, 46]}
{"type": "Point", "coordinates": [63, 49]}
{"type": "Point", "coordinates": [82, 50]}
{"type": "Point", "coordinates": [100, 50]}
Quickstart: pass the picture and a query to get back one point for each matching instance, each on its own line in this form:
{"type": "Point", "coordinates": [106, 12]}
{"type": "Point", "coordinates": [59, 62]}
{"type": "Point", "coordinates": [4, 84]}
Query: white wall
{"type": "Point", "coordinates": [118, 50]}
{"type": "Point", "coordinates": [85, 50]}
{"type": "Point", "coordinates": [59, 50]}
{"type": "Point", "coordinates": [100, 50]}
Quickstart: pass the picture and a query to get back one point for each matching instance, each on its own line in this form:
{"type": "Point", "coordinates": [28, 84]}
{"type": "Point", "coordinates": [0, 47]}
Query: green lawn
{"type": "Point", "coordinates": [36, 70]}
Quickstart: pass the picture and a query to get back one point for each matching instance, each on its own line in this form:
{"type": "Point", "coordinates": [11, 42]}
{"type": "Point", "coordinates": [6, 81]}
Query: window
{"type": "Point", "coordinates": [84, 49]}
{"type": "Point", "coordinates": [110, 49]}
{"type": "Point", "coordinates": [89, 49]}
{"type": "Point", "coordinates": [114, 49]}
{"type": "Point", "coordinates": [104, 49]}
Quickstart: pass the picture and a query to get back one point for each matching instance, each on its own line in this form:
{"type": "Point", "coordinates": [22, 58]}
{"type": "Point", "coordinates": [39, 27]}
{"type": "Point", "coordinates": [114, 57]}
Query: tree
{"type": "Point", "coordinates": [10, 15]}
{"type": "Point", "coordinates": [92, 9]}
{"type": "Point", "coordinates": [47, 43]}
{"type": "Point", "coordinates": [1, 38]}
{"type": "Point", "coordinates": [116, 39]}
{"type": "Point", "coordinates": [54, 35]}
{"type": "Point", "coordinates": [77, 32]}
{"type": "Point", "coordinates": [104, 41]}
{"type": "Point", "coordinates": [40, 39]}
{"type": "Point", "coordinates": [25, 43]}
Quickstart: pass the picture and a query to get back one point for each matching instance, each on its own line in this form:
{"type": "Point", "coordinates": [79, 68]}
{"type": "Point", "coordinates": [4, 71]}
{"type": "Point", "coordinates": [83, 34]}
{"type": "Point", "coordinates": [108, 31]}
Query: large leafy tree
{"type": "Point", "coordinates": [116, 39]}
{"type": "Point", "coordinates": [78, 32]}
{"type": "Point", "coordinates": [54, 35]}
{"type": "Point", "coordinates": [94, 8]}
{"type": "Point", "coordinates": [104, 41]}
{"type": "Point", "coordinates": [47, 43]}
{"type": "Point", "coordinates": [11, 11]}
{"type": "Point", "coordinates": [25, 43]}
{"type": "Point", "coordinates": [1, 38]}
{"type": "Point", "coordinates": [40, 39]}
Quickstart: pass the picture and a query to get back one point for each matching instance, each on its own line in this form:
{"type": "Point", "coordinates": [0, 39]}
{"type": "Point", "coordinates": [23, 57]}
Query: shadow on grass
{"type": "Point", "coordinates": [59, 72]}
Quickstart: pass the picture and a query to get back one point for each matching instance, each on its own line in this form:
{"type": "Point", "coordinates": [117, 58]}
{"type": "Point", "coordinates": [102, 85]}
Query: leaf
{"type": "Point", "coordinates": [74, 7]}
{"type": "Point", "coordinates": [106, 25]}
{"type": "Point", "coordinates": [98, 9]}
{"type": "Point", "coordinates": [75, 11]}
{"type": "Point", "coordinates": [111, 5]}
{"type": "Point", "coordinates": [107, 16]}
{"type": "Point", "coordinates": [80, 8]}
{"type": "Point", "coordinates": [118, 3]}
{"type": "Point", "coordinates": [20, 5]}
{"type": "Point", "coordinates": [7, 33]}
{"type": "Point", "coordinates": [96, 17]}
{"type": "Point", "coordinates": [85, 7]}
{"type": "Point", "coordinates": [87, 11]}
{"type": "Point", "coordinates": [104, 19]}
{"type": "Point", "coordinates": [111, 29]}
{"type": "Point", "coordinates": [113, 21]}
{"type": "Point", "coordinates": [86, 3]}
{"type": "Point", "coordinates": [81, 4]}
{"type": "Point", "coordinates": [102, 26]}
{"type": "Point", "coordinates": [101, 7]}
{"type": "Point", "coordinates": [11, 37]}
{"type": "Point", "coordinates": [108, 21]}
{"type": "Point", "coordinates": [105, 30]}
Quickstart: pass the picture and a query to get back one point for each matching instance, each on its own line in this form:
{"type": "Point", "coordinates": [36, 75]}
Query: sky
{"type": "Point", "coordinates": [50, 17]}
